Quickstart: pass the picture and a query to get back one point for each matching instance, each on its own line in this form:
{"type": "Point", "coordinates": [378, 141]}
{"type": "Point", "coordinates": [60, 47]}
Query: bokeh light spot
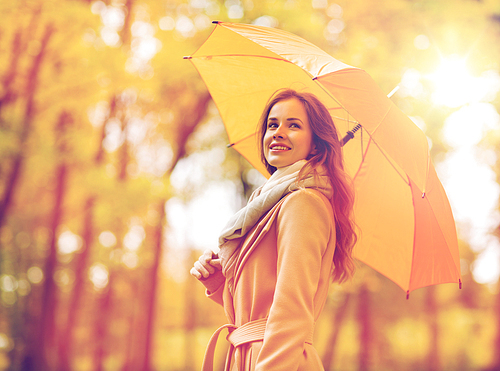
{"type": "Point", "coordinates": [134, 237]}
{"type": "Point", "coordinates": [266, 21]}
{"type": "Point", "coordinates": [8, 283]}
{"type": "Point", "coordinates": [35, 275]}
{"type": "Point", "coordinates": [421, 42]}
{"type": "Point", "coordinates": [319, 4]}
{"type": "Point", "coordinates": [167, 23]}
{"type": "Point", "coordinates": [69, 242]}
{"type": "Point", "coordinates": [107, 239]}
{"type": "Point", "coordinates": [99, 275]}
{"type": "Point", "coordinates": [335, 11]}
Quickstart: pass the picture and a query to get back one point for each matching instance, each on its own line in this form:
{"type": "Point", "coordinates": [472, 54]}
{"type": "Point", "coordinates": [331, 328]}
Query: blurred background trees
{"type": "Point", "coordinates": [114, 176]}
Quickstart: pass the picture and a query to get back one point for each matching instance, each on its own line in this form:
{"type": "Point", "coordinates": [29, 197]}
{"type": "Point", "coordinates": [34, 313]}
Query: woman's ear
{"type": "Point", "coordinates": [314, 150]}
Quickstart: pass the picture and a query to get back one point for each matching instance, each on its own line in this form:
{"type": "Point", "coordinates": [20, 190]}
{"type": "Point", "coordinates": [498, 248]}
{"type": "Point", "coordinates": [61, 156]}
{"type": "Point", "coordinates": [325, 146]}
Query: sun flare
{"type": "Point", "coordinates": [454, 85]}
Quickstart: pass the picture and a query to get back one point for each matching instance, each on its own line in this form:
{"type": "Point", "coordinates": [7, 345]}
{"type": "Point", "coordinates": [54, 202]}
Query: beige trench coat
{"type": "Point", "coordinates": [282, 275]}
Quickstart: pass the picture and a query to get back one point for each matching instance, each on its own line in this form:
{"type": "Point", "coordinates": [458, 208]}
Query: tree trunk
{"type": "Point", "coordinates": [190, 319]}
{"type": "Point", "coordinates": [197, 111]}
{"type": "Point", "coordinates": [104, 308]}
{"type": "Point", "coordinates": [151, 292]}
{"type": "Point", "coordinates": [365, 328]}
{"type": "Point", "coordinates": [81, 259]}
{"type": "Point", "coordinates": [81, 265]}
{"type": "Point", "coordinates": [133, 340]}
{"type": "Point", "coordinates": [337, 319]}
{"type": "Point", "coordinates": [101, 325]}
{"type": "Point", "coordinates": [99, 157]}
{"type": "Point", "coordinates": [10, 76]}
{"type": "Point", "coordinates": [191, 116]}
{"type": "Point", "coordinates": [18, 46]}
{"type": "Point", "coordinates": [49, 298]}
{"type": "Point", "coordinates": [123, 154]}
{"type": "Point", "coordinates": [127, 22]}
{"type": "Point", "coordinates": [106, 299]}
{"type": "Point", "coordinates": [496, 342]}
{"type": "Point", "coordinates": [29, 113]}
{"type": "Point", "coordinates": [433, 361]}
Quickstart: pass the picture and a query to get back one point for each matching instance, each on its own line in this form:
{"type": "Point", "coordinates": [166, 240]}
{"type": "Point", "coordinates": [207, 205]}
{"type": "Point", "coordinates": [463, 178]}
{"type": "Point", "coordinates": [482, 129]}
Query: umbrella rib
{"type": "Point", "coordinates": [388, 160]}
{"type": "Point", "coordinates": [344, 119]}
{"type": "Point", "coordinates": [240, 140]}
{"type": "Point", "coordinates": [363, 155]}
{"type": "Point", "coordinates": [329, 94]}
{"type": "Point", "coordinates": [426, 173]}
{"type": "Point", "coordinates": [246, 55]}
{"type": "Point", "coordinates": [371, 140]}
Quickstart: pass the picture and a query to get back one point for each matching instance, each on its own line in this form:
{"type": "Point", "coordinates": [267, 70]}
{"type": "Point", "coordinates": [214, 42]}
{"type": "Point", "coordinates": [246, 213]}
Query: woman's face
{"type": "Point", "coordinates": [288, 136]}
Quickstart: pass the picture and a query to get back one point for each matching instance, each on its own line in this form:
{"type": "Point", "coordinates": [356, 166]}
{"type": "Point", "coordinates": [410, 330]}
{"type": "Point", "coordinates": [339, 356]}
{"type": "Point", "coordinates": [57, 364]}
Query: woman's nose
{"type": "Point", "coordinates": [279, 133]}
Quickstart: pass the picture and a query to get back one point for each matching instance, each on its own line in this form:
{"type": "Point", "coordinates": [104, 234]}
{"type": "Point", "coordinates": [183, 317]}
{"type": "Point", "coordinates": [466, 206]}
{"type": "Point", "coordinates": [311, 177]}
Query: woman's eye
{"type": "Point", "coordinates": [272, 125]}
{"type": "Point", "coordinates": [294, 125]}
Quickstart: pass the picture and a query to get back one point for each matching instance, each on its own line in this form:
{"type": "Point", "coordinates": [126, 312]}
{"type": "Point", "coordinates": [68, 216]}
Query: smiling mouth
{"type": "Point", "coordinates": [279, 148]}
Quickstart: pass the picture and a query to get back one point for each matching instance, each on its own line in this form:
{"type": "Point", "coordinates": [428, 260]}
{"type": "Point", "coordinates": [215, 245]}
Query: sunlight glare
{"type": "Point", "coordinates": [473, 193]}
{"type": "Point", "coordinates": [487, 265]}
{"type": "Point", "coordinates": [410, 84]}
{"type": "Point", "coordinates": [468, 125]}
{"type": "Point", "coordinates": [454, 84]}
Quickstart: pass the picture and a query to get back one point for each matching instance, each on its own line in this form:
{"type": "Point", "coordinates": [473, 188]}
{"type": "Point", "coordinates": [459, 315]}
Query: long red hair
{"type": "Point", "coordinates": [327, 155]}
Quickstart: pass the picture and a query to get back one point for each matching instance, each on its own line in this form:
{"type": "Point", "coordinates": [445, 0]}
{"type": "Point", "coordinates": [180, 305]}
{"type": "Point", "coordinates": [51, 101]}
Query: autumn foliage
{"type": "Point", "coordinates": [107, 137]}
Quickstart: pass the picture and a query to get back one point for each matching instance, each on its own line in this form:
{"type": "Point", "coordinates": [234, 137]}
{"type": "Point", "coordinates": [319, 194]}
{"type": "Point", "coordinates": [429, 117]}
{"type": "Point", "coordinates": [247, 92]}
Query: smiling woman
{"type": "Point", "coordinates": [278, 253]}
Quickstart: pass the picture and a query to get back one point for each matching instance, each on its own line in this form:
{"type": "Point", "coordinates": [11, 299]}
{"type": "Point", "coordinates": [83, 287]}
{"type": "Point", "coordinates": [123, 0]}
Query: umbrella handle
{"type": "Point", "coordinates": [349, 135]}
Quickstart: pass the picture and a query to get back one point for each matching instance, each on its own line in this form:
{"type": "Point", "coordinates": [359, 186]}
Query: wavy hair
{"type": "Point", "coordinates": [327, 155]}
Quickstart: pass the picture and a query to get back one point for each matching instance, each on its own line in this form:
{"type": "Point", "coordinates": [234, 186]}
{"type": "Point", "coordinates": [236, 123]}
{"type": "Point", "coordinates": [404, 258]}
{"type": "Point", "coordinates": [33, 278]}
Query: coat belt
{"type": "Point", "coordinates": [246, 333]}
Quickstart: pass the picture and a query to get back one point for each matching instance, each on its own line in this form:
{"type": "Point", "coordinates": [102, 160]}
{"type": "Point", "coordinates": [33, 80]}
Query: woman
{"type": "Point", "coordinates": [278, 253]}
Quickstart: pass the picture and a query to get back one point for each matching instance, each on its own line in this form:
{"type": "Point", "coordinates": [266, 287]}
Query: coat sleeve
{"type": "Point", "coordinates": [304, 228]}
{"type": "Point", "coordinates": [216, 295]}
{"type": "Point", "coordinates": [214, 286]}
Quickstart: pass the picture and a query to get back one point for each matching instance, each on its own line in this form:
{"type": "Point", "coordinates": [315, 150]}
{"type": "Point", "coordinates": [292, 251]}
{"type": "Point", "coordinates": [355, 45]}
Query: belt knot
{"type": "Point", "coordinates": [246, 333]}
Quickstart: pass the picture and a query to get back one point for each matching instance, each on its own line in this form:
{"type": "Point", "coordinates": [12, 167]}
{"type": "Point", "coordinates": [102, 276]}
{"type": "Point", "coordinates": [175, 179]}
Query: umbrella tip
{"type": "Point", "coordinates": [215, 22]}
{"type": "Point", "coordinates": [186, 57]}
{"type": "Point", "coordinates": [407, 294]}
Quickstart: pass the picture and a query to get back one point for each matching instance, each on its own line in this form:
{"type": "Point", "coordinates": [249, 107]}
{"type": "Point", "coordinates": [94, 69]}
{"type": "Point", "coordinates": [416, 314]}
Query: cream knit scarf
{"type": "Point", "coordinates": [282, 182]}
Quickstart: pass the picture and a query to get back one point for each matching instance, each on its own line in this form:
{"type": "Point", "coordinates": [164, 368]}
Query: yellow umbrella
{"type": "Point", "coordinates": [406, 227]}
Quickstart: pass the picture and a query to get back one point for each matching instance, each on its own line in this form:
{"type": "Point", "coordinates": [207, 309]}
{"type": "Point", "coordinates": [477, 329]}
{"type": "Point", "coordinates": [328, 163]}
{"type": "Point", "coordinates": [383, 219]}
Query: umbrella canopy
{"type": "Point", "coordinates": [406, 227]}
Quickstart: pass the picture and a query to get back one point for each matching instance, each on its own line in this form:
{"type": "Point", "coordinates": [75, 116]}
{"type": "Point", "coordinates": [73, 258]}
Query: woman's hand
{"type": "Point", "coordinates": [208, 270]}
{"type": "Point", "coordinates": [207, 265]}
